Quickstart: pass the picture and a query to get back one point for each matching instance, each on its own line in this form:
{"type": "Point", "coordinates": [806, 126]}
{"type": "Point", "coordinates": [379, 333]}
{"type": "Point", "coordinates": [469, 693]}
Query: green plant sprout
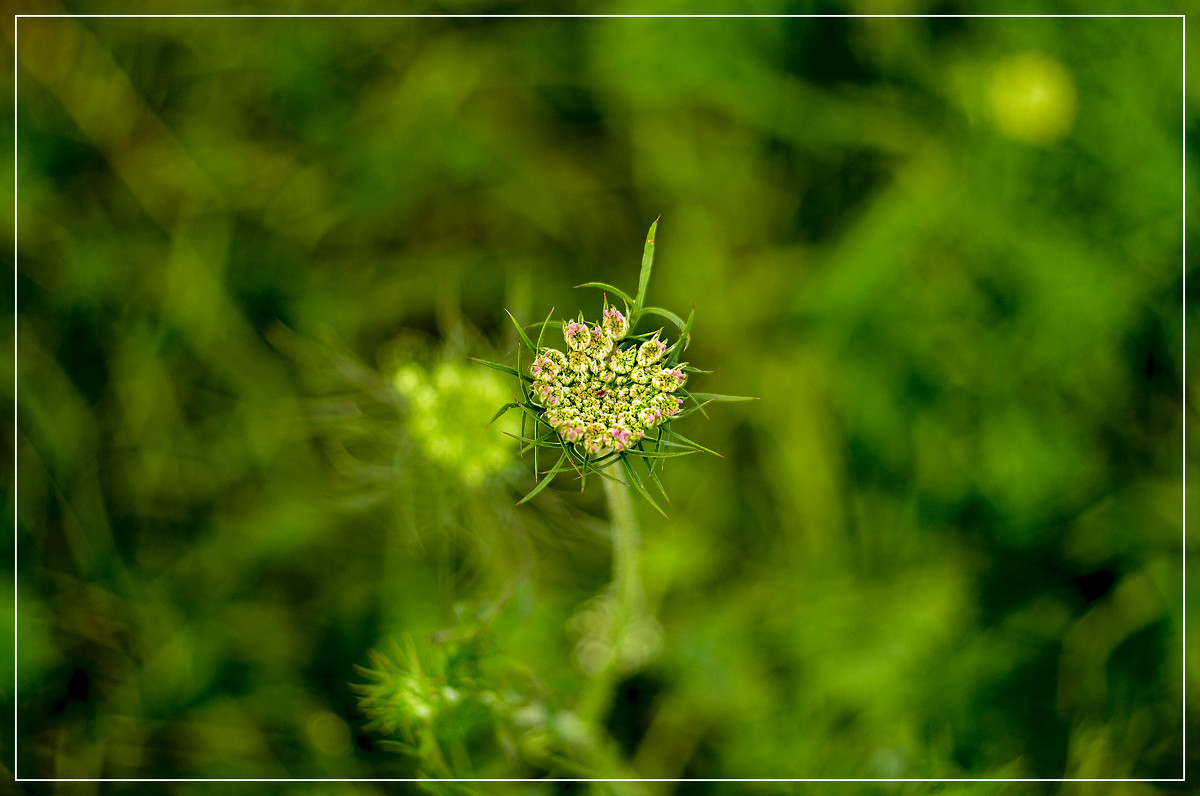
{"type": "Point", "coordinates": [613, 396]}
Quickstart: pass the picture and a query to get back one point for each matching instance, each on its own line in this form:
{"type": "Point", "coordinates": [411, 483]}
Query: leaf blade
{"type": "Point", "coordinates": [685, 339]}
{"type": "Point", "coordinates": [553, 472]}
{"type": "Point", "coordinates": [608, 289]}
{"type": "Point", "coordinates": [693, 444]}
{"type": "Point", "coordinates": [712, 397]}
{"type": "Point", "coordinates": [647, 266]}
{"type": "Point", "coordinates": [663, 313]}
{"type": "Point", "coordinates": [524, 337]}
{"type": "Point", "coordinates": [542, 331]}
{"type": "Point", "coordinates": [503, 409]}
{"type": "Point", "coordinates": [639, 486]}
{"type": "Point", "coordinates": [502, 368]}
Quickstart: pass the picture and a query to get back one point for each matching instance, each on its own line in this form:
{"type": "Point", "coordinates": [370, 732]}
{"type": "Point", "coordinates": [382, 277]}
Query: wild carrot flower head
{"type": "Point", "coordinates": [613, 393]}
{"type": "Point", "coordinates": [595, 401]}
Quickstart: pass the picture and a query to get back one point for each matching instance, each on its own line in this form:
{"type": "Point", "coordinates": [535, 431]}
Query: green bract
{"type": "Point", "coordinates": [613, 394]}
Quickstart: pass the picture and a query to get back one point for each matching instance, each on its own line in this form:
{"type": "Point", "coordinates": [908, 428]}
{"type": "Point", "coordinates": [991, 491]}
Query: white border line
{"type": "Point", "coordinates": [599, 17]}
{"type": "Point", "coordinates": [16, 51]}
{"type": "Point", "coordinates": [1183, 401]}
{"type": "Point", "coordinates": [16, 168]}
{"type": "Point", "coordinates": [427, 779]}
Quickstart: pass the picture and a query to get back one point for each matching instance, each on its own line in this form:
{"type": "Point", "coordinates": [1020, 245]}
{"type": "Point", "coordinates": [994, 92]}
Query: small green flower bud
{"type": "Point", "coordinates": [571, 429]}
{"type": "Point", "coordinates": [577, 335]}
{"type": "Point", "coordinates": [621, 437]}
{"type": "Point", "coordinates": [557, 359]}
{"type": "Point", "coordinates": [615, 323]}
{"type": "Point", "coordinates": [649, 416]}
{"type": "Point", "coordinates": [651, 351]}
{"type": "Point", "coordinates": [596, 439]}
{"type": "Point", "coordinates": [543, 369]}
{"type": "Point", "coordinates": [579, 364]}
{"type": "Point", "coordinates": [602, 343]}
{"type": "Point", "coordinates": [548, 395]}
{"type": "Point", "coordinates": [624, 361]}
{"type": "Point", "coordinates": [667, 404]}
{"type": "Point", "coordinates": [669, 379]}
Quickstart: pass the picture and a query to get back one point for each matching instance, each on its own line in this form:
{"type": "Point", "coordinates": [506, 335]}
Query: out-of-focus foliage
{"type": "Point", "coordinates": [254, 255]}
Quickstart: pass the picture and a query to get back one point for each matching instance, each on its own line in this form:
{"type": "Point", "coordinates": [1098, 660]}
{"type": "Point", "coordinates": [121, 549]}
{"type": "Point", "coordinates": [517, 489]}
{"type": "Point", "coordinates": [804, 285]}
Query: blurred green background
{"type": "Point", "coordinates": [946, 253]}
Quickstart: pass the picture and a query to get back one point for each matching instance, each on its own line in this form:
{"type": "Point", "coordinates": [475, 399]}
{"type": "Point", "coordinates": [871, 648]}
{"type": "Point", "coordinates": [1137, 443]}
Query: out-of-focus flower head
{"type": "Point", "coordinates": [448, 415]}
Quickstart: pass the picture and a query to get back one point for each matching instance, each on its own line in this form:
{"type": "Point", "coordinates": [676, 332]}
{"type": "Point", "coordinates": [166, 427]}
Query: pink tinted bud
{"type": "Point", "coordinates": [602, 342]}
{"type": "Point", "coordinates": [668, 379]}
{"type": "Point", "coordinates": [621, 435]}
{"type": "Point", "coordinates": [649, 416]}
{"type": "Point", "coordinates": [615, 323]}
{"type": "Point", "coordinates": [577, 336]}
{"type": "Point", "coordinates": [651, 351]}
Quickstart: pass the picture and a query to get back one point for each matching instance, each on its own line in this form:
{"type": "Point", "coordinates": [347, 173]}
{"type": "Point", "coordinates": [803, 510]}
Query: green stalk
{"type": "Point", "coordinates": [627, 591]}
{"type": "Point", "coordinates": [627, 579]}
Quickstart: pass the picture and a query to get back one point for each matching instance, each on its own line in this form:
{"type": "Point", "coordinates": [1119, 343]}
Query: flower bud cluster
{"type": "Point", "coordinates": [401, 696]}
{"type": "Point", "coordinates": [605, 393]}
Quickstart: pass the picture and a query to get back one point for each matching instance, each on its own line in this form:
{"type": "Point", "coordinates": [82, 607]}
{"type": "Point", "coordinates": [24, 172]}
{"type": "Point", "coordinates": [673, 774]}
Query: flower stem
{"type": "Point", "coordinates": [626, 594]}
{"type": "Point", "coordinates": [627, 580]}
